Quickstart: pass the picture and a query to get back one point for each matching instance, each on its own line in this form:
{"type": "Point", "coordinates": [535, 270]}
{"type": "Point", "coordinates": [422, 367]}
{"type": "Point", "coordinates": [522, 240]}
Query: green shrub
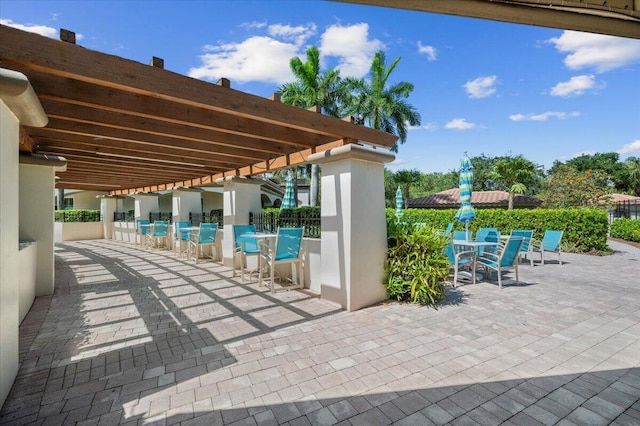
{"type": "Point", "coordinates": [78, 215]}
{"type": "Point", "coordinates": [585, 230]}
{"type": "Point", "coordinates": [626, 229]}
{"type": "Point", "coordinates": [416, 266]}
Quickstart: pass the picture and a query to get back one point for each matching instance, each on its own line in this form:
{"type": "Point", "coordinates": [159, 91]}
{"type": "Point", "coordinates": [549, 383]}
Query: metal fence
{"type": "Point", "coordinates": [270, 222]}
{"type": "Point", "coordinates": [215, 216]}
{"type": "Point", "coordinates": [168, 216]}
{"type": "Point", "coordinates": [77, 216]}
{"type": "Point", "coordinates": [625, 209]}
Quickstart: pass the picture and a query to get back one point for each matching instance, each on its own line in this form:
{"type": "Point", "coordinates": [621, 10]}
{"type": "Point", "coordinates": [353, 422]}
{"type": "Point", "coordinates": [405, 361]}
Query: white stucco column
{"type": "Point", "coordinates": [354, 230]}
{"type": "Point", "coordinates": [185, 201]}
{"type": "Point", "coordinates": [37, 219]}
{"type": "Point", "coordinates": [18, 105]}
{"type": "Point", "coordinates": [108, 206]}
{"type": "Point", "coordinates": [144, 203]}
{"type": "Point", "coordinates": [241, 196]}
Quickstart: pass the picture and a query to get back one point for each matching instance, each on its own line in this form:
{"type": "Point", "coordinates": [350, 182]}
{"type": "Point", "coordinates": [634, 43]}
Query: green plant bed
{"type": "Point", "coordinates": [416, 267]}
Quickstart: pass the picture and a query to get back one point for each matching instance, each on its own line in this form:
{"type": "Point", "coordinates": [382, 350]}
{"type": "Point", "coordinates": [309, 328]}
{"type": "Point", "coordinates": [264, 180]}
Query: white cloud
{"type": "Point", "coordinates": [577, 85]}
{"type": "Point", "coordinates": [430, 51]}
{"type": "Point", "coordinates": [459, 124]}
{"type": "Point", "coordinates": [428, 126]}
{"type": "Point", "coordinates": [481, 87]}
{"type": "Point", "coordinates": [351, 46]}
{"type": "Point", "coordinates": [253, 25]}
{"type": "Point", "coordinates": [600, 52]}
{"type": "Point", "coordinates": [630, 148]}
{"type": "Point", "coordinates": [32, 28]}
{"type": "Point", "coordinates": [543, 116]}
{"type": "Point", "coordinates": [261, 59]}
{"type": "Point", "coordinates": [298, 34]}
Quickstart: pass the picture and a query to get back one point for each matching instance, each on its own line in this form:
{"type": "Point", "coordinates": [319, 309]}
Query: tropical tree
{"type": "Point", "coordinates": [633, 169]}
{"type": "Point", "coordinates": [313, 88]}
{"type": "Point", "coordinates": [513, 173]}
{"type": "Point", "coordinates": [606, 163]}
{"type": "Point", "coordinates": [405, 179]}
{"type": "Point", "coordinates": [379, 106]}
{"type": "Point", "coordinates": [568, 187]}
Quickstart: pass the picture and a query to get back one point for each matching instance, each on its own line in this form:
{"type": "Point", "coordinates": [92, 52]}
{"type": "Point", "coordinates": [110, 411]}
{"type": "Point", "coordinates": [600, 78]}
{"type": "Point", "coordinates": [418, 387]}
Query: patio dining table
{"type": "Point", "coordinates": [475, 246]}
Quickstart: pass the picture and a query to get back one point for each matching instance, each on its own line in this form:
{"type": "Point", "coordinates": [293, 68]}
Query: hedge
{"type": "Point", "coordinates": [78, 215]}
{"type": "Point", "coordinates": [626, 229]}
{"type": "Point", "coordinates": [585, 230]}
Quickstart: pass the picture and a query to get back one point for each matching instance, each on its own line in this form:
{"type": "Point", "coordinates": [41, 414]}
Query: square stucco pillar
{"type": "Point", "coordinates": [37, 185]}
{"type": "Point", "coordinates": [185, 201]}
{"type": "Point", "coordinates": [354, 229]}
{"type": "Point", "coordinates": [108, 206]}
{"type": "Point", "coordinates": [241, 196]}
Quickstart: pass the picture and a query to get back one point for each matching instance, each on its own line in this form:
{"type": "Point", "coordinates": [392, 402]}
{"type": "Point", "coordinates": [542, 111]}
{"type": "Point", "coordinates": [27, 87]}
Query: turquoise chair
{"type": "Point", "coordinates": [142, 226]}
{"type": "Point", "coordinates": [286, 250]}
{"type": "Point", "coordinates": [491, 235]}
{"type": "Point", "coordinates": [157, 233]}
{"type": "Point", "coordinates": [505, 258]}
{"type": "Point", "coordinates": [460, 260]}
{"type": "Point", "coordinates": [204, 236]}
{"type": "Point", "coordinates": [550, 243]}
{"type": "Point", "coordinates": [245, 245]}
{"type": "Point", "coordinates": [181, 236]}
{"type": "Point", "coordinates": [461, 235]}
{"type": "Point", "coordinates": [527, 236]}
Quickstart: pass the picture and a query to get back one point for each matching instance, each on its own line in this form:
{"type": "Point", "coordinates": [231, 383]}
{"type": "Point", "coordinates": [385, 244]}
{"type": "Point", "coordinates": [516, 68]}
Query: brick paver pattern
{"type": "Point", "coordinates": [134, 336]}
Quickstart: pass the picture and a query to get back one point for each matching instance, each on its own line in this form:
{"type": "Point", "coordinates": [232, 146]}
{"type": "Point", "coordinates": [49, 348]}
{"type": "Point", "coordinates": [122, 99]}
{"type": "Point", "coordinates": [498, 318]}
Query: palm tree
{"type": "Point", "coordinates": [404, 179]}
{"type": "Point", "coordinates": [633, 168]}
{"type": "Point", "coordinates": [380, 107]}
{"type": "Point", "coordinates": [513, 172]}
{"type": "Point", "coordinates": [313, 88]}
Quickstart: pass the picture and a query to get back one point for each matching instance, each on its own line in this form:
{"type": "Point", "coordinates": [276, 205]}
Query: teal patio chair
{"type": "Point", "coordinates": [550, 243]}
{"type": "Point", "coordinates": [181, 236]}
{"type": "Point", "coordinates": [505, 258]}
{"type": "Point", "coordinates": [245, 245]}
{"type": "Point", "coordinates": [204, 236]}
{"type": "Point", "coordinates": [158, 233]}
{"type": "Point", "coordinates": [142, 227]}
{"type": "Point", "coordinates": [527, 236]}
{"type": "Point", "coordinates": [460, 260]}
{"type": "Point", "coordinates": [491, 235]}
{"type": "Point", "coordinates": [461, 235]}
{"type": "Point", "coordinates": [286, 250]}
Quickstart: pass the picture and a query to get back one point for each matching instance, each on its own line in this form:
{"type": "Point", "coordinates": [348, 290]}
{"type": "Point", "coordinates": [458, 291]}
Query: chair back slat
{"type": "Point", "coordinates": [551, 240]}
{"type": "Point", "coordinates": [160, 228]}
{"type": "Point", "coordinates": [509, 254]}
{"type": "Point", "coordinates": [461, 235]}
{"type": "Point", "coordinates": [243, 243]}
{"type": "Point", "coordinates": [288, 243]}
{"type": "Point", "coordinates": [526, 235]}
{"type": "Point", "coordinates": [207, 234]}
{"type": "Point", "coordinates": [140, 222]}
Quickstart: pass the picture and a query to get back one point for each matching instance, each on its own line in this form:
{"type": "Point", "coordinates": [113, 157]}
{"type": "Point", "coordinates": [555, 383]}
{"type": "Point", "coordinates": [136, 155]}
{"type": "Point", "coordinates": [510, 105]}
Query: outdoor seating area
{"type": "Point", "coordinates": [154, 338]}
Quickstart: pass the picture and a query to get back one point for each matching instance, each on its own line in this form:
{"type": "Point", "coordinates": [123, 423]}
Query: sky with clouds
{"type": "Point", "coordinates": [481, 87]}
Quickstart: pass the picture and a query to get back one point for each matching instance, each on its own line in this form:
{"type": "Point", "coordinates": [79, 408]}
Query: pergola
{"type": "Point", "coordinates": [127, 127]}
{"type": "Point", "coordinates": [612, 17]}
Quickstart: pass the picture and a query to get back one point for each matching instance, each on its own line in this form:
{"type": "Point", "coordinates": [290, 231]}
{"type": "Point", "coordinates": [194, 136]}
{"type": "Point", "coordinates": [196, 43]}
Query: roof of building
{"type": "Point", "coordinates": [451, 199]}
{"type": "Point", "coordinates": [624, 197]}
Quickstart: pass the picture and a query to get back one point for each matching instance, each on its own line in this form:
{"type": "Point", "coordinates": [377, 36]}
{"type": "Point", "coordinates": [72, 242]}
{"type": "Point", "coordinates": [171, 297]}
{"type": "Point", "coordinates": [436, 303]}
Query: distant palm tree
{"type": "Point", "coordinates": [405, 179]}
{"type": "Point", "coordinates": [513, 172]}
{"type": "Point", "coordinates": [380, 107]}
{"type": "Point", "coordinates": [633, 168]}
{"type": "Point", "coordinates": [313, 88]}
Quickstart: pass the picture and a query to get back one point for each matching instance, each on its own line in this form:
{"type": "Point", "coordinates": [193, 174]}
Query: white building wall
{"type": "Point", "coordinates": [9, 295]}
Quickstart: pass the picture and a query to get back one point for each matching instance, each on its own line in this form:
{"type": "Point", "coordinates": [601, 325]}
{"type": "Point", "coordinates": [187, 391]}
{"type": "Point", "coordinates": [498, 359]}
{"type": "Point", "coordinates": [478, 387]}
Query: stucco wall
{"type": "Point", "coordinates": [8, 249]}
{"type": "Point", "coordinates": [75, 231]}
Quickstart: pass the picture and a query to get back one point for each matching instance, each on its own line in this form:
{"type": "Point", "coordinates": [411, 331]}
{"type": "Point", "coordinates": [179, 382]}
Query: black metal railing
{"type": "Point", "coordinates": [123, 216]}
{"type": "Point", "coordinates": [77, 216]}
{"type": "Point", "coordinates": [153, 216]}
{"type": "Point", "coordinates": [625, 209]}
{"type": "Point", "coordinates": [269, 222]}
{"type": "Point", "coordinates": [215, 216]}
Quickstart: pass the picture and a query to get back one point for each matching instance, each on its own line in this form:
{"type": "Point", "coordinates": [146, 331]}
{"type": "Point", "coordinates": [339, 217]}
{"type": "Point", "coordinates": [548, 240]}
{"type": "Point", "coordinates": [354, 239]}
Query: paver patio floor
{"type": "Point", "coordinates": [140, 337]}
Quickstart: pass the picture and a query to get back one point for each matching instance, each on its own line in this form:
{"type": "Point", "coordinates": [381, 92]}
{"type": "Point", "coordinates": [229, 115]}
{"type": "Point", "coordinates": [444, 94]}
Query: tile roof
{"type": "Point", "coordinates": [451, 199]}
{"type": "Point", "coordinates": [624, 197]}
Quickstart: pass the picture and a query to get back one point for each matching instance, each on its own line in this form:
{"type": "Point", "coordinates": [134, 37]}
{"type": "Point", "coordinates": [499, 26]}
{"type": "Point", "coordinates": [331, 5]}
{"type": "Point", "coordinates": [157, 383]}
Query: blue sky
{"type": "Point", "coordinates": [481, 87]}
